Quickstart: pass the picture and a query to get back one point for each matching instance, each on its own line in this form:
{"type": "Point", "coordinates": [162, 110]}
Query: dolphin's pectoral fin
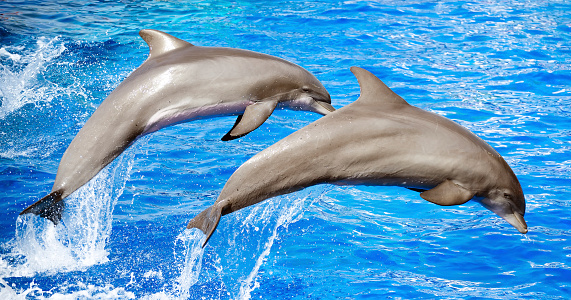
{"type": "Point", "coordinates": [254, 116]}
{"type": "Point", "coordinates": [207, 221]}
{"type": "Point", "coordinates": [447, 193]}
{"type": "Point", "coordinates": [417, 190]}
{"type": "Point", "coordinates": [49, 207]}
{"type": "Point", "coordinates": [227, 136]}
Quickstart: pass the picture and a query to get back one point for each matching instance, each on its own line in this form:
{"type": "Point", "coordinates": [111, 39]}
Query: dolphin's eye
{"type": "Point", "coordinates": [305, 89]}
{"type": "Point", "coordinates": [507, 196]}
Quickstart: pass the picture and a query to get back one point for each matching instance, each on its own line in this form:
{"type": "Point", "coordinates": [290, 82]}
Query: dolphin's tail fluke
{"type": "Point", "coordinates": [49, 207]}
{"type": "Point", "coordinates": [207, 221]}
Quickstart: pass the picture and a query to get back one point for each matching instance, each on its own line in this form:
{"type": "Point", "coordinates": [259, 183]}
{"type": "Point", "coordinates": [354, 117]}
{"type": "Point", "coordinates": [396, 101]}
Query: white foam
{"type": "Point", "coordinates": [11, 293]}
{"type": "Point", "coordinates": [11, 153]}
{"type": "Point", "coordinates": [79, 240]}
{"type": "Point", "coordinates": [69, 291]}
{"type": "Point", "coordinates": [77, 243]}
{"type": "Point", "coordinates": [19, 83]}
{"type": "Point", "coordinates": [94, 292]}
{"type": "Point", "coordinates": [12, 56]}
{"type": "Point", "coordinates": [154, 274]}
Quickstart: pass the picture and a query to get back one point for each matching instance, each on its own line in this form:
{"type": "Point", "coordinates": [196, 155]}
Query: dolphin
{"type": "Point", "coordinates": [379, 139]}
{"type": "Point", "coordinates": [180, 82]}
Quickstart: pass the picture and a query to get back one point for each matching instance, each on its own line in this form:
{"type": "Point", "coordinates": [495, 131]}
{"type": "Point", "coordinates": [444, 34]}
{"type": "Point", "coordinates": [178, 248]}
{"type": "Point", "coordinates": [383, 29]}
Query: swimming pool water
{"type": "Point", "coordinates": [500, 68]}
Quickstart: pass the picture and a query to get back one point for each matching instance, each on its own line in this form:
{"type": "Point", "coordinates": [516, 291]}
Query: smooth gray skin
{"type": "Point", "coordinates": [378, 140]}
{"type": "Point", "coordinates": [178, 83]}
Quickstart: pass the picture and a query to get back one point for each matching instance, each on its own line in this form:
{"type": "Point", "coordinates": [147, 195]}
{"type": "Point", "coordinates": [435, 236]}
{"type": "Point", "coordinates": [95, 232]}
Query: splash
{"type": "Point", "coordinates": [20, 72]}
{"type": "Point", "coordinates": [189, 272]}
{"type": "Point", "coordinates": [256, 228]}
{"type": "Point", "coordinates": [8, 292]}
{"type": "Point", "coordinates": [85, 292]}
{"type": "Point", "coordinates": [288, 216]}
{"type": "Point", "coordinates": [192, 240]}
{"type": "Point", "coordinates": [78, 242]}
{"type": "Point", "coordinates": [243, 243]}
{"type": "Point", "coordinates": [11, 56]}
{"type": "Point", "coordinates": [39, 96]}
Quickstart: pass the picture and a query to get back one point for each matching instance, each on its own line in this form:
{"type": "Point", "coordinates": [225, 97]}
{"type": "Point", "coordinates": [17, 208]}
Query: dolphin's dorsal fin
{"type": "Point", "coordinates": [374, 91]}
{"type": "Point", "coordinates": [160, 42]}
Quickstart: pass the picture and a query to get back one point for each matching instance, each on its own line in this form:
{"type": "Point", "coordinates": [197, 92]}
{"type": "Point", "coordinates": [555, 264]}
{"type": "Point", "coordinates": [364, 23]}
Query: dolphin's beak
{"type": "Point", "coordinates": [510, 215]}
{"type": "Point", "coordinates": [322, 107]}
{"type": "Point", "coordinates": [517, 221]}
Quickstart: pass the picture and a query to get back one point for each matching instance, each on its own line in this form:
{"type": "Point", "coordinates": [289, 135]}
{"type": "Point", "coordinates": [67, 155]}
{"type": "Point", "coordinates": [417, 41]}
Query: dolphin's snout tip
{"type": "Point", "coordinates": [324, 108]}
{"type": "Point", "coordinates": [515, 219]}
{"type": "Point", "coordinates": [523, 225]}
{"type": "Point", "coordinates": [522, 229]}
{"type": "Point", "coordinates": [520, 223]}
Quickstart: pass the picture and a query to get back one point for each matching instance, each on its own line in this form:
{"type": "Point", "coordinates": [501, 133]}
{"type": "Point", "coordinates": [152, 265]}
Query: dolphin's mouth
{"type": "Point", "coordinates": [507, 213]}
{"type": "Point", "coordinates": [322, 107]}
{"type": "Point", "coordinates": [521, 224]}
{"type": "Point", "coordinates": [516, 220]}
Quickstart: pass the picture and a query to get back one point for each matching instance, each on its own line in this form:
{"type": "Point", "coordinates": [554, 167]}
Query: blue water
{"type": "Point", "coordinates": [500, 68]}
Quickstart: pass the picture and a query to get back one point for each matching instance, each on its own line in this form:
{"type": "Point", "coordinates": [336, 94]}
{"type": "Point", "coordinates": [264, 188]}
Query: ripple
{"type": "Point", "coordinates": [499, 68]}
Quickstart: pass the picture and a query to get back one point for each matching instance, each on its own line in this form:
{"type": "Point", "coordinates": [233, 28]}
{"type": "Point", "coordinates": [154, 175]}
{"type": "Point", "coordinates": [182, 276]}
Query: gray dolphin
{"type": "Point", "coordinates": [180, 82]}
{"type": "Point", "coordinates": [378, 140]}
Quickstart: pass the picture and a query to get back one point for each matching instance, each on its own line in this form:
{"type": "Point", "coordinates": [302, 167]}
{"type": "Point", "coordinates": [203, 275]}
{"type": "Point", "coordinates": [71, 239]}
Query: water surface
{"type": "Point", "coordinates": [499, 68]}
